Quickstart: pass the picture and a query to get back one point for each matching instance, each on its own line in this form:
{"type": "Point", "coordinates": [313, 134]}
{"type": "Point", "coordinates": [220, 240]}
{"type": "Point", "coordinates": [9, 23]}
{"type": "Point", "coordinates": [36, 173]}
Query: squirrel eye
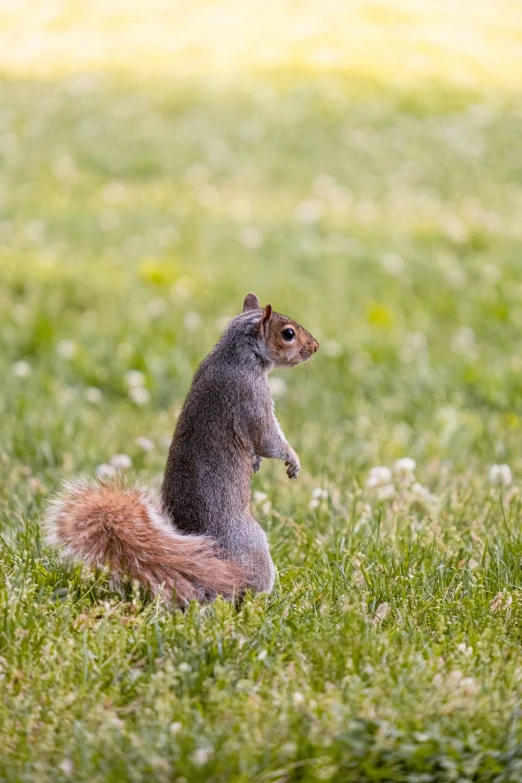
{"type": "Point", "coordinates": [288, 334]}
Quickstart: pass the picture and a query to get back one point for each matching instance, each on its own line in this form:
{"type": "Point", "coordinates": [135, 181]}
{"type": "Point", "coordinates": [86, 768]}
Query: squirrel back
{"type": "Point", "coordinates": [198, 539]}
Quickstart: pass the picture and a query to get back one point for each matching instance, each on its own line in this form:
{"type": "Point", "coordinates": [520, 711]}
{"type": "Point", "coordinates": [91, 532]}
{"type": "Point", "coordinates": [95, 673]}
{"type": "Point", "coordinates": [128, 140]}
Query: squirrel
{"type": "Point", "coordinates": [198, 539]}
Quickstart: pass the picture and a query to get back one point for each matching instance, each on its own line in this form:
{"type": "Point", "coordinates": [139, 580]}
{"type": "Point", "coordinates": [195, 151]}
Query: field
{"type": "Point", "coordinates": [361, 170]}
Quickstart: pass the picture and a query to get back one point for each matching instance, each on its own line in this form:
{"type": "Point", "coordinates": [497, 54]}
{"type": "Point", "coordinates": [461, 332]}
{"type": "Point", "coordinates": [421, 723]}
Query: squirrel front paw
{"type": "Point", "coordinates": [293, 465]}
{"type": "Point", "coordinates": [256, 462]}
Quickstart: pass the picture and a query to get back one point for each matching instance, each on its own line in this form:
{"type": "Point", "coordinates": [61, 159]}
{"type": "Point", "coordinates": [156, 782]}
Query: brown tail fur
{"type": "Point", "coordinates": [123, 527]}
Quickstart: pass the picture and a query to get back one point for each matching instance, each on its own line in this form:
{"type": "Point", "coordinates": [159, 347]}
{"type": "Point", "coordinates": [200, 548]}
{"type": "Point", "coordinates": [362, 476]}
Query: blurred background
{"type": "Point", "coordinates": [355, 164]}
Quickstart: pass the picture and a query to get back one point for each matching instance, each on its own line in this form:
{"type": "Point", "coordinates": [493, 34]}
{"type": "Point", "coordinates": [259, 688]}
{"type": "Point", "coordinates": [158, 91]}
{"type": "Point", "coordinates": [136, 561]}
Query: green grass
{"type": "Point", "coordinates": [386, 219]}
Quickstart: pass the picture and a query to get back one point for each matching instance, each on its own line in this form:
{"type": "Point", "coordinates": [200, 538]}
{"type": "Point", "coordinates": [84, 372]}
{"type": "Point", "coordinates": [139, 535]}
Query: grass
{"type": "Point", "coordinates": [382, 213]}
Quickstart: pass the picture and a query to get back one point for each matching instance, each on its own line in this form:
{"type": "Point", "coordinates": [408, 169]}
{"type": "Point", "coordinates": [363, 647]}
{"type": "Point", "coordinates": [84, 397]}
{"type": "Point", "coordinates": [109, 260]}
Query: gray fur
{"type": "Point", "coordinates": [226, 426]}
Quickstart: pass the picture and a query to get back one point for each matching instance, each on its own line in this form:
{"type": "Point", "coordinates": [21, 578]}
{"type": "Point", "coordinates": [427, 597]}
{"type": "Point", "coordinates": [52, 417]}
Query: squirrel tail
{"type": "Point", "coordinates": [124, 527]}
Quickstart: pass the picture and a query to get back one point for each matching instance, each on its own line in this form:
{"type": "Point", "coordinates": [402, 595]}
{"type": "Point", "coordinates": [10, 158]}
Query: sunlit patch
{"type": "Point", "coordinates": [396, 40]}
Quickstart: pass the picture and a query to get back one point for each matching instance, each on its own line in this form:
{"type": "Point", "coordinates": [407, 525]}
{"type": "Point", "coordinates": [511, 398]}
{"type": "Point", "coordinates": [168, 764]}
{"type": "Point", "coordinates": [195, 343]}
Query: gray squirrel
{"type": "Point", "coordinates": [198, 539]}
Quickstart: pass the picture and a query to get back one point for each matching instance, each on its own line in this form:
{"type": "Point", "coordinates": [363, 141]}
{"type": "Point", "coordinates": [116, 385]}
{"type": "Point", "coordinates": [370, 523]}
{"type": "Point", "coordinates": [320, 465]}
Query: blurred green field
{"type": "Point", "coordinates": [378, 206]}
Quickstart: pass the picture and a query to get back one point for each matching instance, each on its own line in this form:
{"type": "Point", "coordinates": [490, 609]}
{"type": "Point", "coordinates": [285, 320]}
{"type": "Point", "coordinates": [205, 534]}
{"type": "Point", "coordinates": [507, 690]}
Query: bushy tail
{"type": "Point", "coordinates": [123, 527]}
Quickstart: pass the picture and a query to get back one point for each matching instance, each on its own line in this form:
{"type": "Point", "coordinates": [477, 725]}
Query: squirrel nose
{"type": "Point", "coordinates": [315, 346]}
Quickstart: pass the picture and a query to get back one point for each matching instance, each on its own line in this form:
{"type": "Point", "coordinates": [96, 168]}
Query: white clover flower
{"type": "Point", "coordinates": [309, 211]}
{"type": "Point", "coordinates": [155, 307]}
{"type": "Point", "coordinates": [386, 492]}
{"type": "Point", "coordinates": [201, 756]}
{"type": "Point", "coordinates": [64, 168]}
{"type": "Point", "coordinates": [121, 461]}
{"type": "Point", "coordinates": [67, 767]}
{"type": "Point", "coordinates": [464, 341]}
{"type": "Point", "coordinates": [469, 686]}
{"type": "Point", "coordinates": [277, 387]}
{"type": "Point", "coordinates": [501, 475]}
{"type": "Point", "coordinates": [115, 192]}
{"type": "Point", "coordinates": [192, 321]}
{"type": "Point", "coordinates": [251, 237]}
{"type": "Point", "coordinates": [222, 322]}
{"type": "Point", "coordinates": [378, 476]}
{"type": "Point", "coordinates": [297, 699]}
{"type": "Point", "coordinates": [66, 349]}
{"type": "Point", "coordinates": [145, 443]}
{"type": "Point", "coordinates": [266, 508]}
{"type": "Point", "coordinates": [500, 602]}
{"type": "Point", "coordinates": [320, 493]}
{"type": "Point", "coordinates": [381, 613]}
{"type": "Point", "coordinates": [392, 263]}
{"type": "Point", "coordinates": [93, 395]}
{"type": "Point", "coordinates": [405, 465]}
{"type": "Point", "coordinates": [106, 471]}
{"type": "Point", "coordinates": [134, 378]}
{"type": "Point", "coordinates": [333, 349]}
{"type": "Point", "coordinates": [22, 369]}
{"type": "Point", "coordinates": [139, 395]}
{"type": "Point", "coordinates": [419, 492]}
{"type": "Point", "coordinates": [196, 174]}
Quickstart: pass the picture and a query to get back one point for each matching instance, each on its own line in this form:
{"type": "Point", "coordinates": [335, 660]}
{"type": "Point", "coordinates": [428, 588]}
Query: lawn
{"type": "Point", "coordinates": [361, 171]}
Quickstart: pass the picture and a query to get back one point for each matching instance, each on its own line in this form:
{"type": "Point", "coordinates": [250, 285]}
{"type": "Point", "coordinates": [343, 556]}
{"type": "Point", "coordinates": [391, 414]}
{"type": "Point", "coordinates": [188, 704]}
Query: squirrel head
{"type": "Point", "coordinates": [286, 343]}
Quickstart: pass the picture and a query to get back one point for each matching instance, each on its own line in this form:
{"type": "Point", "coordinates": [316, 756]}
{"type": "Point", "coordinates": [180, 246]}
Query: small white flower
{"type": "Point", "coordinates": [93, 395]}
{"type": "Point", "coordinates": [196, 174]}
{"type": "Point", "coordinates": [201, 756]}
{"type": "Point", "coordinates": [66, 349]}
{"type": "Point", "coordinates": [419, 492]}
{"type": "Point", "coordinates": [175, 727]}
{"type": "Point", "coordinates": [297, 699]}
{"type": "Point", "coordinates": [115, 192]}
{"type": "Point", "coordinates": [262, 655]}
{"type": "Point", "coordinates": [500, 602]}
{"type": "Point", "coordinates": [260, 497]}
{"type": "Point", "coordinates": [381, 613]}
{"type": "Point", "coordinates": [64, 168]}
{"type": "Point", "coordinates": [251, 237]}
{"type": "Point", "coordinates": [386, 492]}
{"type": "Point", "coordinates": [185, 667]}
{"type": "Point", "coordinates": [405, 465]}
{"type": "Point", "coordinates": [22, 369]}
{"type": "Point", "coordinates": [314, 503]}
{"type": "Point", "coordinates": [139, 395]}
{"type": "Point", "coordinates": [378, 476]}
{"type": "Point", "coordinates": [155, 307]}
{"type": "Point", "coordinates": [67, 767]}
{"type": "Point", "coordinates": [134, 378]}
{"type": "Point", "coordinates": [121, 461]}
{"type": "Point", "coordinates": [333, 349]}
{"type": "Point", "coordinates": [277, 387]}
{"type": "Point", "coordinates": [192, 321]}
{"type": "Point", "coordinates": [145, 443]}
{"type": "Point", "coordinates": [469, 686]}
{"type": "Point", "coordinates": [501, 475]}
{"type": "Point", "coordinates": [320, 493]}
{"type": "Point", "coordinates": [464, 341]}
{"type": "Point", "coordinates": [392, 263]}
{"type": "Point", "coordinates": [309, 211]}
{"type": "Point", "coordinates": [106, 471]}
{"type": "Point", "coordinates": [222, 322]}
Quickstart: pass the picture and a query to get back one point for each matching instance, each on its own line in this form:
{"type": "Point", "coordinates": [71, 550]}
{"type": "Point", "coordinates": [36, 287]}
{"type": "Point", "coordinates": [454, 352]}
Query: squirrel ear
{"type": "Point", "coordinates": [251, 303]}
{"type": "Point", "coordinates": [266, 315]}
